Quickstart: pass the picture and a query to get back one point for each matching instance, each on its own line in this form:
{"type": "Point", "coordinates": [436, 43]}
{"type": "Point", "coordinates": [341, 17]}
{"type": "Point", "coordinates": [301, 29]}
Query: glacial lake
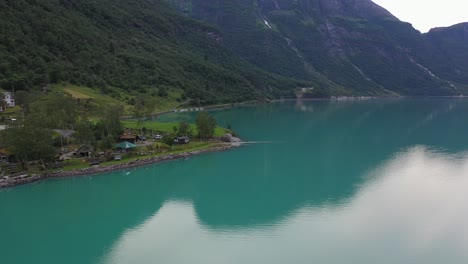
{"type": "Point", "coordinates": [378, 181]}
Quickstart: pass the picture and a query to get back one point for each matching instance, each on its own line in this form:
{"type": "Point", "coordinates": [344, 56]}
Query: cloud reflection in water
{"type": "Point", "coordinates": [413, 209]}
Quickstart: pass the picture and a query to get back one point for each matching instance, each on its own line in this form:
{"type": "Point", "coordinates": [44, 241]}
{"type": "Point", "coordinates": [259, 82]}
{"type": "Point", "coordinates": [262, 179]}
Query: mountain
{"type": "Point", "coordinates": [141, 46]}
{"type": "Point", "coordinates": [353, 44]}
{"type": "Point", "coordinates": [451, 44]}
{"type": "Point", "coordinates": [227, 50]}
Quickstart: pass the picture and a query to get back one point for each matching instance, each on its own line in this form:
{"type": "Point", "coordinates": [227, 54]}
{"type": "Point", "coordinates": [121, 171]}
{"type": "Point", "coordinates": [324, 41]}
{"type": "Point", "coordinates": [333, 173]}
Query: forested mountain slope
{"type": "Point", "coordinates": [355, 44]}
{"type": "Point", "coordinates": [227, 51]}
{"type": "Point", "coordinates": [141, 45]}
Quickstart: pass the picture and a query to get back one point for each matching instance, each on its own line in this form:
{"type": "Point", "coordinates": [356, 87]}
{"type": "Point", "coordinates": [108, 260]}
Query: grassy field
{"type": "Point", "coordinates": [165, 128]}
{"type": "Point", "coordinates": [81, 92]}
{"type": "Point", "coordinates": [75, 164]}
{"type": "Point", "coordinates": [119, 96]}
{"type": "Point", "coordinates": [12, 110]}
{"type": "Point", "coordinates": [192, 146]}
{"type": "Point", "coordinates": [96, 98]}
{"type": "Point", "coordinates": [76, 94]}
{"type": "Point", "coordinates": [169, 102]}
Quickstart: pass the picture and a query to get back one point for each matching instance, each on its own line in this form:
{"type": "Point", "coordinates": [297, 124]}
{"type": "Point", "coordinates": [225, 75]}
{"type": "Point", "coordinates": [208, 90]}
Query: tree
{"type": "Point", "coordinates": [110, 126]}
{"type": "Point", "coordinates": [162, 91]}
{"type": "Point", "coordinates": [15, 83]}
{"type": "Point", "coordinates": [3, 104]}
{"type": "Point", "coordinates": [84, 133]}
{"type": "Point", "coordinates": [184, 129]}
{"type": "Point", "coordinates": [139, 109]}
{"type": "Point", "coordinates": [168, 140]}
{"type": "Point", "coordinates": [25, 99]}
{"type": "Point", "coordinates": [56, 111]}
{"type": "Point", "coordinates": [30, 142]}
{"type": "Point", "coordinates": [206, 124]}
{"type": "Point", "coordinates": [150, 107]}
{"type": "Point", "coordinates": [106, 142]}
{"type": "Point", "coordinates": [144, 107]}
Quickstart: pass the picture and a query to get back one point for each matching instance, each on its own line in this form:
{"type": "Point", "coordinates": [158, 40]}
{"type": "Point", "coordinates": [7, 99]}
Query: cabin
{"type": "Point", "coordinates": [85, 151]}
{"type": "Point", "coordinates": [6, 157]}
{"type": "Point", "coordinates": [181, 140]}
{"type": "Point", "coordinates": [3, 157]}
{"type": "Point", "coordinates": [125, 146]}
{"type": "Point", "coordinates": [129, 138]}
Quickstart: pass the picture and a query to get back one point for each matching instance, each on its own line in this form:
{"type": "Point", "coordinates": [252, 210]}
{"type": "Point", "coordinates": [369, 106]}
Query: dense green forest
{"type": "Point", "coordinates": [141, 46]}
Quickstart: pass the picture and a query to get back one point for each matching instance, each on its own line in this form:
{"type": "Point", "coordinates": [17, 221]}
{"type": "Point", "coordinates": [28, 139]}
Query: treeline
{"type": "Point", "coordinates": [138, 45]}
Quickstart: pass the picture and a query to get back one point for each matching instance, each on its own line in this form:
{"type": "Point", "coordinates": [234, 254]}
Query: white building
{"type": "Point", "coordinates": [9, 99]}
{"type": "Point", "coordinates": [6, 100]}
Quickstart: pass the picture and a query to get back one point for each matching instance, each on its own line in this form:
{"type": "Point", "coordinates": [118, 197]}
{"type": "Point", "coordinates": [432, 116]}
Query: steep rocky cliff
{"type": "Point", "coordinates": [350, 44]}
{"type": "Point", "coordinates": [451, 48]}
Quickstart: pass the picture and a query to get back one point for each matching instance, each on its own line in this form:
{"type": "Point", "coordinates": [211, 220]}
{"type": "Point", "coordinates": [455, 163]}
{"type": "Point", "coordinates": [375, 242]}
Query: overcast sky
{"type": "Point", "coordinates": [427, 14]}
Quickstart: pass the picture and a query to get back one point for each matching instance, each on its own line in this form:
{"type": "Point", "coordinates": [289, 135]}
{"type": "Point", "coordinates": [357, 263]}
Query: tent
{"type": "Point", "coordinates": [125, 145]}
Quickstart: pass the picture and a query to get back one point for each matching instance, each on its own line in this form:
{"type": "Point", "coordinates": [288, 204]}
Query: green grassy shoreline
{"type": "Point", "coordinates": [144, 160]}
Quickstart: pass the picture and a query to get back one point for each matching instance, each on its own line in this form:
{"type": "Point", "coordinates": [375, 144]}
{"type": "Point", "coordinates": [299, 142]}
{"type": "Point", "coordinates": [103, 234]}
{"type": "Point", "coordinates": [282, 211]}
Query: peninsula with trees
{"type": "Point", "coordinates": [61, 132]}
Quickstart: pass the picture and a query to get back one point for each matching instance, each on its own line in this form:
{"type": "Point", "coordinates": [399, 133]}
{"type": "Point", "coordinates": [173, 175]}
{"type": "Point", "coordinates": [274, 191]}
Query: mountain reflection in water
{"type": "Point", "coordinates": [378, 181]}
{"type": "Point", "coordinates": [412, 209]}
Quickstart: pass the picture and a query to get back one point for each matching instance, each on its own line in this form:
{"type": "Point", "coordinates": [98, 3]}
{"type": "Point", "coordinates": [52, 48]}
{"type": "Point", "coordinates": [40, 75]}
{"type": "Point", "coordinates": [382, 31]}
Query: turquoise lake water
{"type": "Point", "coordinates": [381, 181]}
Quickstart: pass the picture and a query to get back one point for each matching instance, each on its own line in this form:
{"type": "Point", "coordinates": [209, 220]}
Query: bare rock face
{"type": "Point", "coordinates": [357, 8]}
{"type": "Point", "coordinates": [451, 45]}
{"type": "Point", "coordinates": [227, 138]}
{"type": "Point", "coordinates": [236, 140]}
{"type": "Point", "coordinates": [230, 138]}
{"type": "Point", "coordinates": [352, 45]}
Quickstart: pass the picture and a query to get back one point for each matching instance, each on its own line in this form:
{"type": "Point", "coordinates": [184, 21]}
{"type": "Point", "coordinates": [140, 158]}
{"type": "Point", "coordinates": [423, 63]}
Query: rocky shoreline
{"type": "Point", "coordinates": [103, 169]}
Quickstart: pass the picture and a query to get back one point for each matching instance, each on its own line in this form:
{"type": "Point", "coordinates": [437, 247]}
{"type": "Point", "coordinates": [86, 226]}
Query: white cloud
{"type": "Point", "coordinates": [427, 14]}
